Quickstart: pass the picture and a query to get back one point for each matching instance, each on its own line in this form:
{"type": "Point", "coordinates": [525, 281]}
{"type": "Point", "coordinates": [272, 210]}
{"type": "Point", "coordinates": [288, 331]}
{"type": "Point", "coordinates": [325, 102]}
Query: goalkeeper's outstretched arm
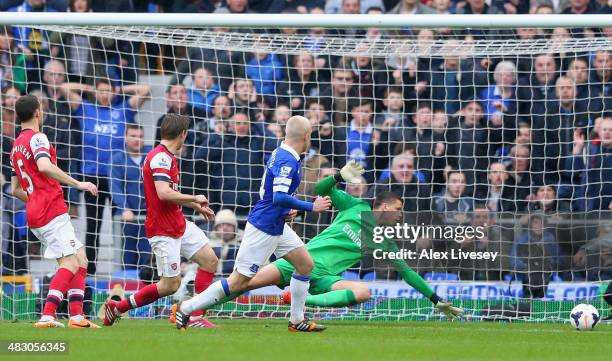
{"type": "Point", "coordinates": [327, 186]}
{"type": "Point", "coordinates": [418, 283]}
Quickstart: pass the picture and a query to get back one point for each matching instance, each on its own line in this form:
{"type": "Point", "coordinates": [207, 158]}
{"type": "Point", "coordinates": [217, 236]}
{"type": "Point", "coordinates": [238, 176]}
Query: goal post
{"type": "Point", "coordinates": [495, 122]}
{"type": "Point", "coordinates": [306, 20]}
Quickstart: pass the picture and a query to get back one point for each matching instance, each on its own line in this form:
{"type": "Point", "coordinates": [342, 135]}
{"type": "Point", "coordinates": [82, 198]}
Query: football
{"type": "Point", "coordinates": [584, 317]}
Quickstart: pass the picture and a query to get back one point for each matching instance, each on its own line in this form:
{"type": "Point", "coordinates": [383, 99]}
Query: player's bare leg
{"type": "Point", "coordinates": [343, 293]}
{"type": "Point", "coordinates": [76, 292]}
{"type": "Point", "coordinates": [303, 264]}
{"type": "Point", "coordinates": [359, 289]}
{"type": "Point", "coordinates": [207, 261]}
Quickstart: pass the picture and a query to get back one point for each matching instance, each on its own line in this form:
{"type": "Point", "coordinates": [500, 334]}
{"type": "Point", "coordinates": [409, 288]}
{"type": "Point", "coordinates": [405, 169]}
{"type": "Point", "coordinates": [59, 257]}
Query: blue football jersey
{"type": "Point", "coordinates": [283, 173]}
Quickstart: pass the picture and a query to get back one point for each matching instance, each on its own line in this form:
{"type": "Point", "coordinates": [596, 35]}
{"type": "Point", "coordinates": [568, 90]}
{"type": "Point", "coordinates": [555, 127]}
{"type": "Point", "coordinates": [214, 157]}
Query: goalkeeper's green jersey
{"type": "Point", "coordinates": [338, 247]}
{"type": "Point", "coordinates": [342, 244]}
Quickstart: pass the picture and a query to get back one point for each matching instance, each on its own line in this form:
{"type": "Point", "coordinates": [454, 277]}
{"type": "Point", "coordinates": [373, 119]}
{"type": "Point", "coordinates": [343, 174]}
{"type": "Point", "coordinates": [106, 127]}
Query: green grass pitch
{"type": "Point", "coordinates": [344, 340]}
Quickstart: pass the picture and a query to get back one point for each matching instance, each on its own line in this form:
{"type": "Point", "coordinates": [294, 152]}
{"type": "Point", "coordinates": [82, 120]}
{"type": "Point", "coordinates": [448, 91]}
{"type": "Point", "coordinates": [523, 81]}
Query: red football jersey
{"type": "Point", "coordinates": [45, 195]}
{"type": "Point", "coordinates": [163, 218]}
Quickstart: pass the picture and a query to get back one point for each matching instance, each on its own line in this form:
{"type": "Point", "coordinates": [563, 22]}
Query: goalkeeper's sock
{"type": "Point", "coordinates": [228, 298]}
{"type": "Point", "coordinates": [208, 298]}
{"type": "Point", "coordinates": [143, 297]}
{"type": "Point", "coordinates": [58, 287]}
{"type": "Point", "coordinates": [203, 280]}
{"type": "Point", "coordinates": [299, 286]}
{"type": "Point", "coordinates": [338, 298]}
{"type": "Point", "coordinates": [76, 292]}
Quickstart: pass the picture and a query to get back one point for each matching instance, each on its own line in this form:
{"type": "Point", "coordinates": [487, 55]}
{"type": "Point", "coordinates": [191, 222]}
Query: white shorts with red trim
{"type": "Point", "coordinates": [168, 250]}
{"type": "Point", "coordinates": [58, 237]}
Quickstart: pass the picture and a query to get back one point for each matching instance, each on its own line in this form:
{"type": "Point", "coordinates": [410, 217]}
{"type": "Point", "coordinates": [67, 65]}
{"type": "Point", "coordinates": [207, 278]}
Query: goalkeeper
{"type": "Point", "coordinates": [341, 246]}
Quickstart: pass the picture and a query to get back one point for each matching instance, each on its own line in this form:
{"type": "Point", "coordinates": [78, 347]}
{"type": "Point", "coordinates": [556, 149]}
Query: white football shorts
{"type": "Point", "coordinates": [168, 250]}
{"type": "Point", "coordinates": [257, 247]}
{"type": "Point", "coordinates": [58, 237]}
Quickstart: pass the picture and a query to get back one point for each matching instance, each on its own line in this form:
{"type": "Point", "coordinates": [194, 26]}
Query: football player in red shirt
{"type": "Point", "coordinates": [170, 235]}
{"type": "Point", "coordinates": [37, 182]}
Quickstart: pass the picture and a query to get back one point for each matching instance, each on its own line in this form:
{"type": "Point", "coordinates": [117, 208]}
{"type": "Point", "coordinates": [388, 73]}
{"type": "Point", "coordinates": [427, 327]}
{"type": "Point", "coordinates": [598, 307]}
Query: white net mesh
{"type": "Point", "coordinates": [509, 130]}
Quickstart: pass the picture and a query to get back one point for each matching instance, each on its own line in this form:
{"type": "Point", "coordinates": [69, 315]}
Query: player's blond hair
{"type": "Point", "coordinates": [297, 127]}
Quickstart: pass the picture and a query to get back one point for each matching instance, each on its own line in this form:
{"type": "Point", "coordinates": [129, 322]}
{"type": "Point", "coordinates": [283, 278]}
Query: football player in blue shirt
{"type": "Point", "coordinates": [266, 232]}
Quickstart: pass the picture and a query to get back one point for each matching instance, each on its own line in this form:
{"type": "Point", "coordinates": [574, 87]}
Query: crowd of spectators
{"type": "Point", "coordinates": [518, 144]}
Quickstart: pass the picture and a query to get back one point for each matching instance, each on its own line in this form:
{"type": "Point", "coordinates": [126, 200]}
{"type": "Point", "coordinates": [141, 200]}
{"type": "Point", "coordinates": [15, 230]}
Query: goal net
{"type": "Point", "coordinates": [507, 132]}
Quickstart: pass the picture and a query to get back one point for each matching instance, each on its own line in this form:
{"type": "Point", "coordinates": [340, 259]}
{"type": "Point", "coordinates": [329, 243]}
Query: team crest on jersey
{"type": "Point", "coordinates": [174, 266]}
{"type": "Point", "coordinates": [254, 268]}
{"type": "Point", "coordinates": [284, 171]}
{"type": "Point", "coordinates": [72, 243]}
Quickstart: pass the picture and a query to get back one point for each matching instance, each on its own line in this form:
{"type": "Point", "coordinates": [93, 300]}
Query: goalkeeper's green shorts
{"type": "Point", "coordinates": [320, 281]}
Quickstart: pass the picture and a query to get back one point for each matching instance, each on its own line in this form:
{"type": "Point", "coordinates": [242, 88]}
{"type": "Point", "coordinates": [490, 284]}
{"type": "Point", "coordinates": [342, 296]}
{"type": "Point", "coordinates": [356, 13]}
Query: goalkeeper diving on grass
{"type": "Point", "coordinates": [342, 245]}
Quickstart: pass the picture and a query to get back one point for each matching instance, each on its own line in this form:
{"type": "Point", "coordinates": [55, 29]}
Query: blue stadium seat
{"type": "Point", "coordinates": [441, 276]}
{"type": "Point", "coordinates": [350, 275]}
{"type": "Point", "coordinates": [370, 276]}
{"type": "Point", "coordinates": [128, 275]}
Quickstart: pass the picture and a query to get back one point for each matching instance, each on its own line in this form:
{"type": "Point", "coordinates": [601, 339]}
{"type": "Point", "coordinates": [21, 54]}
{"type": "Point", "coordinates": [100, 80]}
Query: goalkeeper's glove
{"type": "Point", "coordinates": [447, 308]}
{"type": "Point", "coordinates": [350, 173]}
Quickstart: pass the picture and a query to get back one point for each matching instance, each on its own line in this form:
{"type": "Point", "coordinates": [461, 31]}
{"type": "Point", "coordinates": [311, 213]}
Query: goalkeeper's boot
{"type": "Point", "coordinates": [306, 325]}
{"type": "Point", "coordinates": [111, 313]}
{"type": "Point", "coordinates": [48, 322]}
{"type": "Point", "coordinates": [182, 319]}
{"type": "Point", "coordinates": [173, 313]}
{"type": "Point", "coordinates": [286, 298]}
{"type": "Point", "coordinates": [82, 323]}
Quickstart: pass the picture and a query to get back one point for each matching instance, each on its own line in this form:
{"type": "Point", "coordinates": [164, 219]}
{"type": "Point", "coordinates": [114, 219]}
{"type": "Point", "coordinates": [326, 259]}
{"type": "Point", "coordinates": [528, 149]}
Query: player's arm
{"type": "Point", "coordinates": [46, 167]}
{"type": "Point", "coordinates": [17, 190]}
{"type": "Point", "coordinates": [281, 198]}
{"type": "Point", "coordinates": [40, 149]}
{"type": "Point", "coordinates": [167, 194]}
{"type": "Point", "coordinates": [418, 283]}
{"type": "Point", "coordinates": [341, 200]}
{"type": "Point", "coordinates": [204, 210]}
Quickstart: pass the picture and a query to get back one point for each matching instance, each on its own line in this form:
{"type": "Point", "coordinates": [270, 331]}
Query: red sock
{"type": "Point", "coordinates": [143, 297]}
{"type": "Point", "coordinates": [57, 289]}
{"type": "Point", "coordinates": [203, 279]}
{"type": "Point", "coordinates": [76, 291]}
